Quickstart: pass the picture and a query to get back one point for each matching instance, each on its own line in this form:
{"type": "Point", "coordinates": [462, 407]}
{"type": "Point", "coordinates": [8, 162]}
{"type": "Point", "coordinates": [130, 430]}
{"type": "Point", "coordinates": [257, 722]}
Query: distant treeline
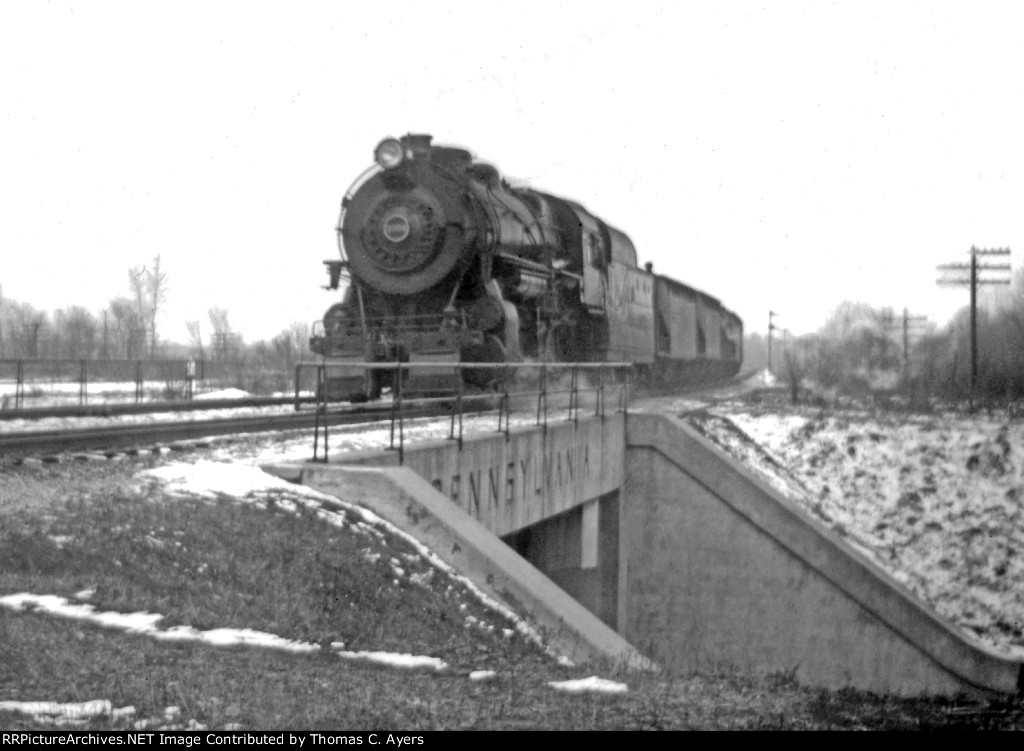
{"type": "Point", "coordinates": [126, 329]}
{"type": "Point", "coordinates": [861, 348]}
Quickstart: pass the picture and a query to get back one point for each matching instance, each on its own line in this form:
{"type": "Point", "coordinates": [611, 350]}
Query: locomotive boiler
{"type": "Point", "coordinates": [446, 262]}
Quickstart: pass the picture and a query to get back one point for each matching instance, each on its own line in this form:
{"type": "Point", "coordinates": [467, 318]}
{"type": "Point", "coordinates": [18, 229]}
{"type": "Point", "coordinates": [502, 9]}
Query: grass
{"type": "Point", "coordinates": [269, 566]}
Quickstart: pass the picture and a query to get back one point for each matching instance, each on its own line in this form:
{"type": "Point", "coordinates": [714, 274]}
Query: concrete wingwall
{"type": "Point", "coordinates": [406, 500]}
{"type": "Point", "coordinates": [722, 570]}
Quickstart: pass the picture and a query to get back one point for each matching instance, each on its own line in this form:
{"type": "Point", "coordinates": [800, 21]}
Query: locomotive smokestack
{"type": "Point", "coordinates": [418, 143]}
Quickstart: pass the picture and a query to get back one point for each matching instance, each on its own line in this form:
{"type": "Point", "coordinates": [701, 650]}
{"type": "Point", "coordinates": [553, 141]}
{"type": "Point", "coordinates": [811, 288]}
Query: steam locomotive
{"type": "Point", "coordinates": [447, 262]}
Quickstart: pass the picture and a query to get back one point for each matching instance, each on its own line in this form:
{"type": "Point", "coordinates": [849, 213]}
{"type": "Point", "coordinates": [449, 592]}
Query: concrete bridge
{"type": "Point", "coordinates": [634, 538]}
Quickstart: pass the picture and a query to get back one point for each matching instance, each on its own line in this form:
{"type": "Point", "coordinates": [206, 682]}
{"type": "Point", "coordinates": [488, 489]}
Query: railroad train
{"type": "Point", "coordinates": [445, 261]}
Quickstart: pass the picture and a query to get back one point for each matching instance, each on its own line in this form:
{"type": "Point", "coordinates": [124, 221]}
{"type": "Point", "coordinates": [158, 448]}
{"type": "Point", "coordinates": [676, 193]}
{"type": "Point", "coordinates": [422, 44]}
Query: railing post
{"type": "Point", "coordinates": [501, 410]}
{"type": "Point", "coordinates": [397, 410]}
{"type": "Point", "coordinates": [83, 384]}
{"type": "Point", "coordinates": [504, 410]}
{"type": "Point", "coordinates": [452, 420]}
{"type": "Point", "coordinates": [190, 378]}
{"type": "Point", "coordinates": [394, 407]}
{"type": "Point", "coordinates": [508, 408]}
{"type": "Point", "coordinates": [599, 396]}
{"type": "Point", "coordinates": [544, 394]}
{"type": "Point", "coordinates": [576, 381]}
{"type": "Point", "coordinates": [401, 418]}
{"type": "Point", "coordinates": [540, 391]}
{"type": "Point", "coordinates": [298, 370]}
{"type": "Point", "coordinates": [626, 389]}
{"type": "Point", "coordinates": [316, 410]}
{"type": "Point", "coordinates": [19, 389]}
{"type": "Point", "coordinates": [573, 394]}
{"type": "Point", "coordinates": [458, 407]}
{"type": "Point", "coordinates": [323, 390]}
{"type": "Point", "coordinates": [622, 390]}
{"type": "Point", "coordinates": [459, 402]}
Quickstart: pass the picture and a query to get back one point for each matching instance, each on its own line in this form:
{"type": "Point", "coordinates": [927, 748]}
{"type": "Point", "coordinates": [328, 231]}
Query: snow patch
{"type": "Point", "coordinates": [593, 683]}
{"type": "Point", "coordinates": [74, 713]}
{"type": "Point", "coordinates": [223, 394]}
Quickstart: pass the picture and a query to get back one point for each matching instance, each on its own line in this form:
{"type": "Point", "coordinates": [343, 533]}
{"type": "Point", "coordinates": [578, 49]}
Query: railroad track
{"type": "Point", "coordinates": [99, 440]}
{"type": "Point", "coordinates": [132, 438]}
{"type": "Point", "coordinates": [113, 410]}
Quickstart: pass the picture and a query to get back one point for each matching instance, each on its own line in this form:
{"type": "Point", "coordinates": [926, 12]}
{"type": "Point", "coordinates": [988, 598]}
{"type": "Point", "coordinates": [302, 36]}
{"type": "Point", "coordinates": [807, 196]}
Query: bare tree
{"type": "Point", "coordinates": [795, 369]}
{"type": "Point", "coordinates": [149, 292]}
{"type": "Point", "coordinates": [78, 329]}
{"type": "Point", "coordinates": [137, 283]}
{"type": "Point", "coordinates": [224, 341]}
{"type": "Point", "coordinates": [195, 335]}
{"type": "Point", "coordinates": [156, 287]}
{"type": "Point", "coordinates": [129, 329]}
{"type": "Point", "coordinates": [26, 328]}
{"type": "Point", "coordinates": [291, 345]}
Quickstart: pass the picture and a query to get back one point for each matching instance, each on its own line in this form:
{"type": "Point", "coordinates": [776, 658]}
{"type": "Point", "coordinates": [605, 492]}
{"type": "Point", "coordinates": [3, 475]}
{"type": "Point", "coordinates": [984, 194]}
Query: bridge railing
{"type": "Point", "coordinates": [593, 378]}
{"type": "Point", "coordinates": [28, 376]}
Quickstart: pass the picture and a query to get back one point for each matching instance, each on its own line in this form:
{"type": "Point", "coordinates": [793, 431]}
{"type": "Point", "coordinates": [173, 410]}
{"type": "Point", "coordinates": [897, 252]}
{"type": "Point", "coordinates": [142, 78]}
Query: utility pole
{"type": "Point", "coordinates": [910, 325]}
{"type": "Point", "coordinates": [35, 338]}
{"type": "Point", "coordinates": [60, 326]}
{"type": "Point", "coordinates": [909, 320]}
{"type": "Point", "coordinates": [771, 328]}
{"type": "Point", "coordinates": [973, 268]}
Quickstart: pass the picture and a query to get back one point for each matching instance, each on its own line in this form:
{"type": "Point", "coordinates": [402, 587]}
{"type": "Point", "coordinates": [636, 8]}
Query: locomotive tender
{"type": "Point", "coordinates": [446, 262]}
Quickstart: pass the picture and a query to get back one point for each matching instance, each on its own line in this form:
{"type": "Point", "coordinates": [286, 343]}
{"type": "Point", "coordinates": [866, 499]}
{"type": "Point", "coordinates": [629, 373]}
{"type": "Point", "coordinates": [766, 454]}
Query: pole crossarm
{"type": "Point", "coordinates": [967, 282]}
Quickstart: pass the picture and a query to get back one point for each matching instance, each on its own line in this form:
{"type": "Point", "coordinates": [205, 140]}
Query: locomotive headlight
{"type": "Point", "coordinates": [389, 153]}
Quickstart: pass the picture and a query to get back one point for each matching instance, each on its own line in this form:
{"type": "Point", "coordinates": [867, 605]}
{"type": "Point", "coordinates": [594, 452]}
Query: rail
{"type": "Point", "coordinates": [607, 374]}
{"type": "Point", "coordinates": [143, 437]}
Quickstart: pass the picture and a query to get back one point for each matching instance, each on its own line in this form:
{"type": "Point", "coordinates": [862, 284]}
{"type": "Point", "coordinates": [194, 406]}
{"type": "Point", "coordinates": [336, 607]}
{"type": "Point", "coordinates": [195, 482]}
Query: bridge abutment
{"type": "Point", "coordinates": [654, 534]}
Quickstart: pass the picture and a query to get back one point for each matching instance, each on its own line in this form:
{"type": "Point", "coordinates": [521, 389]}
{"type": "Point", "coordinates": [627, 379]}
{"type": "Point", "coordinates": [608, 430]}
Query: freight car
{"type": "Point", "coordinates": [446, 261]}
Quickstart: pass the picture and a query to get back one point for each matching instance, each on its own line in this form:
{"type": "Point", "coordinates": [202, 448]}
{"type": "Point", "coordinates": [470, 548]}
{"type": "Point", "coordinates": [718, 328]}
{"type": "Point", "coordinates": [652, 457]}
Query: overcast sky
{"type": "Point", "coordinates": [785, 157]}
